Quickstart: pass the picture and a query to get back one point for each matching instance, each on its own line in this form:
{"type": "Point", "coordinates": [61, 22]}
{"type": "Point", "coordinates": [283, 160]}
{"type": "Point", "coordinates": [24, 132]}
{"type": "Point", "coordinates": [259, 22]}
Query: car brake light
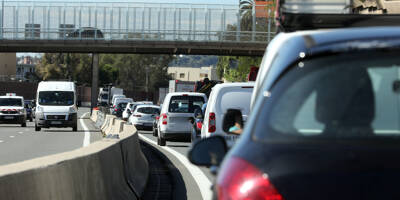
{"type": "Point", "coordinates": [247, 183]}
{"type": "Point", "coordinates": [158, 117]}
{"type": "Point", "coordinates": [164, 118]}
{"type": "Point", "coordinates": [199, 125]}
{"type": "Point", "coordinates": [211, 123]}
{"type": "Point", "coordinates": [115, 109]}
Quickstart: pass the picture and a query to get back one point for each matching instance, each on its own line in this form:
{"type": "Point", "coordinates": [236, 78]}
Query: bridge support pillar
{"type": "Point", "coordinates": [95, 81]}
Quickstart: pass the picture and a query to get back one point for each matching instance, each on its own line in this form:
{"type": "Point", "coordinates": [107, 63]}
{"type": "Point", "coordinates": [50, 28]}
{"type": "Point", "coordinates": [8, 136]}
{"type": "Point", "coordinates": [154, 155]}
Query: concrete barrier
{"type": "Point", "coordinates": [103, 170]}
{"type": "Point", "coordinates": [117, 127]}
{"type": "Point", "coordinates": [93, 117]}
{"type": "Point", "coordinates": [108, 128]}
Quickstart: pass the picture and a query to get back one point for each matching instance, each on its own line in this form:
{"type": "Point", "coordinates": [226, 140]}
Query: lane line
{"type": "Point", "coordinates": [11, 136]}
{"type": "Point", "coordinates": [86, 138]}
{"type": "Point", "coordinates": [20, 132]}
{"type": "Point", "coordinates": [1, 141]}
{"type": "Point", "coordinates": [201, 179]}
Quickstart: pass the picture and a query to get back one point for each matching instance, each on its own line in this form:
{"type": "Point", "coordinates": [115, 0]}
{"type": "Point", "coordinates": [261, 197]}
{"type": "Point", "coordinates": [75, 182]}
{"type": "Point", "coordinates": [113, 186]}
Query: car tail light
{"type": "Point", "coordinates": [158, 117]}
{"type": "Point", "coordinates": [239, 180]}
{"type": "Point", "coordinates": [199, 125]}
{"type": "Point", "coordinates": [164, 118]}
{"type": "Point", "coordinates": [211, 123]}
{"type": "Point", "coordinates": [115, 110]}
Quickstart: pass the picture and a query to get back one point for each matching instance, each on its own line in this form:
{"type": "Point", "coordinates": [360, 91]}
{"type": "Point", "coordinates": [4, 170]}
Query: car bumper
{"type": "Point", "coordinates": [12, 119]}
{"type": "Point", "coordinates": [70, 122]}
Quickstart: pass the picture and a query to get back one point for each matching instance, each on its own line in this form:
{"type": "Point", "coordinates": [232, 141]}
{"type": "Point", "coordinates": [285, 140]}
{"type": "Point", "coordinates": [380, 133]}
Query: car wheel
{"type": "Point", "coordinates": [161, 141]}
{"type": "Point", "coordinates": [155, 132]}
{"type": "Point", "coordinates": [31, 119]}
{"type": "Point", "coordinates": [23, 124]}
{"type": "Point", "coordinates": [75, 128]}
{"type": "Point", "coordinates": [37, 128]}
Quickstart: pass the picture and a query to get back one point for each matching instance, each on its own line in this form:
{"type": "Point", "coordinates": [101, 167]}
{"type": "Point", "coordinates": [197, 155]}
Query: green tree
{"type": "Point", "coordinates": [238, 74]}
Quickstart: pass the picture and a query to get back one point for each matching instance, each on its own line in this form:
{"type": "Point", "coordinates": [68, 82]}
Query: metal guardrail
{"type": "Point", "coordinates": [41, 20]}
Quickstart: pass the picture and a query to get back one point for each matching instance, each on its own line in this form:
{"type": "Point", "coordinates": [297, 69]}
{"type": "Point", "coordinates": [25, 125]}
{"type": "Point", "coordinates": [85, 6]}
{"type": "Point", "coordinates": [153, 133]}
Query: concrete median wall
{"type": "Point", "coordinates": [107, 169]}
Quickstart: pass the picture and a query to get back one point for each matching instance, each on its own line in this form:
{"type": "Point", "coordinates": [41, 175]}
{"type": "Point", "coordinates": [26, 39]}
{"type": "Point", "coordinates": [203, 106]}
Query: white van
{"type": "Point", "coordinates": [223, 97]}
{"type": "Point", "coordinates": [56, 105]}
{"type": "Point", "coordinates": [177, 108]}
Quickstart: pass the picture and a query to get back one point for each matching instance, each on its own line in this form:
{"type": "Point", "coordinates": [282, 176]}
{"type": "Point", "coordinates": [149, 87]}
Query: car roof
{"type": "Point", "coordinates": [235, 84]}
{"type": "Point", "coordinates": [147, 105]}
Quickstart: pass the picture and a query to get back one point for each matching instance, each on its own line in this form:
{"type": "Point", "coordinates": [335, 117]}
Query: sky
{"type": "Point", "coordinates": [147, 1]}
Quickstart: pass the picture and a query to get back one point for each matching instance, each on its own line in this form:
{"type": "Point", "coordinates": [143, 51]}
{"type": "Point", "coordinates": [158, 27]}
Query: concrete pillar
{"type": "Point", "coordinates": [95, 81]}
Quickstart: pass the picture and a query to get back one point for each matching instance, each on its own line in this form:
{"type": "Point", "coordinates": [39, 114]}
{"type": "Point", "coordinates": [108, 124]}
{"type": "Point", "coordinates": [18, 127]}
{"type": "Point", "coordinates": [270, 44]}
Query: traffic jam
{"type": "Point", "coordinates": [320, 121]}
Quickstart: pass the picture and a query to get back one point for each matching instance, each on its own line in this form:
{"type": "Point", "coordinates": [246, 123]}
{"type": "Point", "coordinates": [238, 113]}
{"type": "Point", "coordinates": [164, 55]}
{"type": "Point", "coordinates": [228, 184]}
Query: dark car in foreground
{"type": "Point", "coordinates": [117, 111]}
{"type": "Point", "coordinates": [325, 123]}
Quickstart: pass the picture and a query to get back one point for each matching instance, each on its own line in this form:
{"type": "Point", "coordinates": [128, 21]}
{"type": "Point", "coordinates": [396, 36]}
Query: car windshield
{"type": "Point", "coordinates": [104, 96]}
{"type": "Point", "coordinates": [185, 104]}
{"type": "Point", "coordinates": [10, 102]}
{"type": "Point", "coordinates": [148, 110]}
{"type": "Point", "coordinates": [56, 98]}
{"type": "Point", "coordinates": [336, 98]}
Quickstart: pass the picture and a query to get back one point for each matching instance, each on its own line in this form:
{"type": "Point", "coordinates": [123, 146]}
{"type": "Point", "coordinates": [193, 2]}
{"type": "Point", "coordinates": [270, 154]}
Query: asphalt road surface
{"type": "Point", "coordinates": [23, 143]}
{"type": "Point", "coordinates": [197, 183]}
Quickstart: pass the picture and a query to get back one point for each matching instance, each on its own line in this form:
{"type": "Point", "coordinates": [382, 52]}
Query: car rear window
{"type": "Point", "coordinates": [185, 104]}
{"type": "Point", "coordinates": [238, 98]}
{"type": "Point", "coordinates": [11, 102]}
{"type": "Point", "coordinates": [148, 110]}
{"type": "Point", "coordinates": [334, 97]}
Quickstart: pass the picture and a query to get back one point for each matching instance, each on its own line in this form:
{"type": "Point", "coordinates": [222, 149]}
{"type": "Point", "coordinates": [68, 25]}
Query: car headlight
{"type": "Point", "coordinates": [72, 110]}
{"type": "Point", "coordinates": [39, 109]}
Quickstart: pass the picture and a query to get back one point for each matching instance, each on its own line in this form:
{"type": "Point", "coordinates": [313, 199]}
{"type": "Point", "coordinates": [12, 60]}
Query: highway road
{"type": "Point", "coordinates": [197, 180]}
{"type": "Point", "coordinates": [23, 143]}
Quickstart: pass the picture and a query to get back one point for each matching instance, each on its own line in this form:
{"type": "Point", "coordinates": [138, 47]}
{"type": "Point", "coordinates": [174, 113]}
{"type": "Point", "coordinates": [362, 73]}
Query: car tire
{"type": "Point", "coordinates": [23, 124]}
{"type": "Point", "coordinates": [37, 128]}
{"type": "Point", "coordinates": [155, 132]}
{"type": "Point", "coordinates": [75, 128]}
{"type": "Point", "coordinates": [161, 141]}
{"type": "Point", "coordinates": [31, 119]}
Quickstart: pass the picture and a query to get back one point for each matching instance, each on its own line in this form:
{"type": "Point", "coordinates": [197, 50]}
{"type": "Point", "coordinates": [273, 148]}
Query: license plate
{"type": "Point", "coordinates": [147, 124]}
{"type": "Point", "coordinates": [8, 117]}
{"type": "Point", "coordinates": [231, 137]}
{"type": "Point", "coordinates": [55, 122]}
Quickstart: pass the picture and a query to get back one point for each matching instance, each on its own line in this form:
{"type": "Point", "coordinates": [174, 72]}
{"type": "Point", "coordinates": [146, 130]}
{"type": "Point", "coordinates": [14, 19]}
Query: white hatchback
{"type": "Point", "coordinates": [223, 97]}
{"type": "Point", "coordinates": [144, 116]}
{"type": "Point", "coordinates": [174, 121]}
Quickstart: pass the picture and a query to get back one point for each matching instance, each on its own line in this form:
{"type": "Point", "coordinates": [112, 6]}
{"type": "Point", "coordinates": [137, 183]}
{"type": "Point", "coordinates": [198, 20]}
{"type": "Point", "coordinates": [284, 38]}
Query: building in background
{"type": "Point", "coordinates": [193, 73]}
{"type": "Point", "coordinates": [26, 68]}
{"type": "Point", "coordinates": [8, 62]}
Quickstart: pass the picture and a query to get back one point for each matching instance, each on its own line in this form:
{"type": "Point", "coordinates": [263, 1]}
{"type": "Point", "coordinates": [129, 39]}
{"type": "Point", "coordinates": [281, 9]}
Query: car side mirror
{"type": "Point", "coordinates": [233, 121]}
{"type": "Point", "coordinates": [208, 152]}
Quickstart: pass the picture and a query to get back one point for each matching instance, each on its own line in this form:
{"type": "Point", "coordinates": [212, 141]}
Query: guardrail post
{"type": "Point", "coordinates": [95, 79]}
{"type": "Point", "coordinates": [253, 14]}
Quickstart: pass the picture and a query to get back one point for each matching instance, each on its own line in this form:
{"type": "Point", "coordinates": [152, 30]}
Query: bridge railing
{"type": "Point", "coordinates": [36, 20]}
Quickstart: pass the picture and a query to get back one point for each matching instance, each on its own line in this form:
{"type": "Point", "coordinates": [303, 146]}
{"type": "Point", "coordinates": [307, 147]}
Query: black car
{"type": "Point", "coordinates": [119, 109]}
{"type": "Point", "coordinates": [85, 32]}
{"type": "Point", "coordinates": [325, 123]}
{"type": "Point", "coordinates": [29, 111]}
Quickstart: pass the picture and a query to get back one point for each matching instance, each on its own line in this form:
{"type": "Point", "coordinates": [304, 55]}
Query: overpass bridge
{"type": "Point", "coordinates": [127, 27]}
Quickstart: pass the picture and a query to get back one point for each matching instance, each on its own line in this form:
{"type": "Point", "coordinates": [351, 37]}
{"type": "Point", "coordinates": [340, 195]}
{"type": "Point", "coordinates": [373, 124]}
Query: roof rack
{"type": "Point", "coordinates": [293, 15]}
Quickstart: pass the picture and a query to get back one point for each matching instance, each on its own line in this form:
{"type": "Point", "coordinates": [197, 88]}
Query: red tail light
{"type": "Point", "coordinates": [199, 125]}
{"type": "Point", "coordinates": [211, 123]}
{"type": "Point", "coordinates": [158, 117]}
{"type": "Point", "coordinates": [247, 183]}
{"type": "Point", "coordinates": [164, 118]}
{"type": "Point", "coordinates": [115, 110]}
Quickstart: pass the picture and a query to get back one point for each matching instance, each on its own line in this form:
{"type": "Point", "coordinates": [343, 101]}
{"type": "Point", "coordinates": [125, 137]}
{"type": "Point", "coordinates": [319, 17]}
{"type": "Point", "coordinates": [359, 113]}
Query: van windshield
{"type": "Point", "coordinates": [10, 102]}
{"type": "Point", "coordinates": [56, 98]}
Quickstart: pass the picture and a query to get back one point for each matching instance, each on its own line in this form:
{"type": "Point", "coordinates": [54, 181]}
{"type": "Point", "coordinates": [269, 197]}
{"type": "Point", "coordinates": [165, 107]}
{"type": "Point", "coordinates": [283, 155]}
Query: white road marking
{"type": "Point", "coordinates": [26, 129]}
{"type": "Point", "coordinates": [20, 132]}
{"type": "Point", "coordinates": [1, 141]}
{"type": "Point", "coordinates": [86, 139]}
{"type": "Point", "coordinates": [11, 136]}
{"type": "Point", "coordinates": [201, 179]}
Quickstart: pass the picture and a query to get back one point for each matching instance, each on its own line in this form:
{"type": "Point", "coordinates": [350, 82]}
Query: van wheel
{"type": "Point", "coordinates": [30, 119]}
{"type": "Point", "coordinates": [75, 128]}
{"type": "Point", "coordinates": [23, 124]}
{"type": "Point", "coordinates": [37, 128]}
{"type": "Point", "coordinates": [161, 141]}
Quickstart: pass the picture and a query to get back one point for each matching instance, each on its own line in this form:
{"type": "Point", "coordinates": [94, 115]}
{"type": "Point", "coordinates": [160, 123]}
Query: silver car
{"type": "Point", "coordinates": [144, 116]}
